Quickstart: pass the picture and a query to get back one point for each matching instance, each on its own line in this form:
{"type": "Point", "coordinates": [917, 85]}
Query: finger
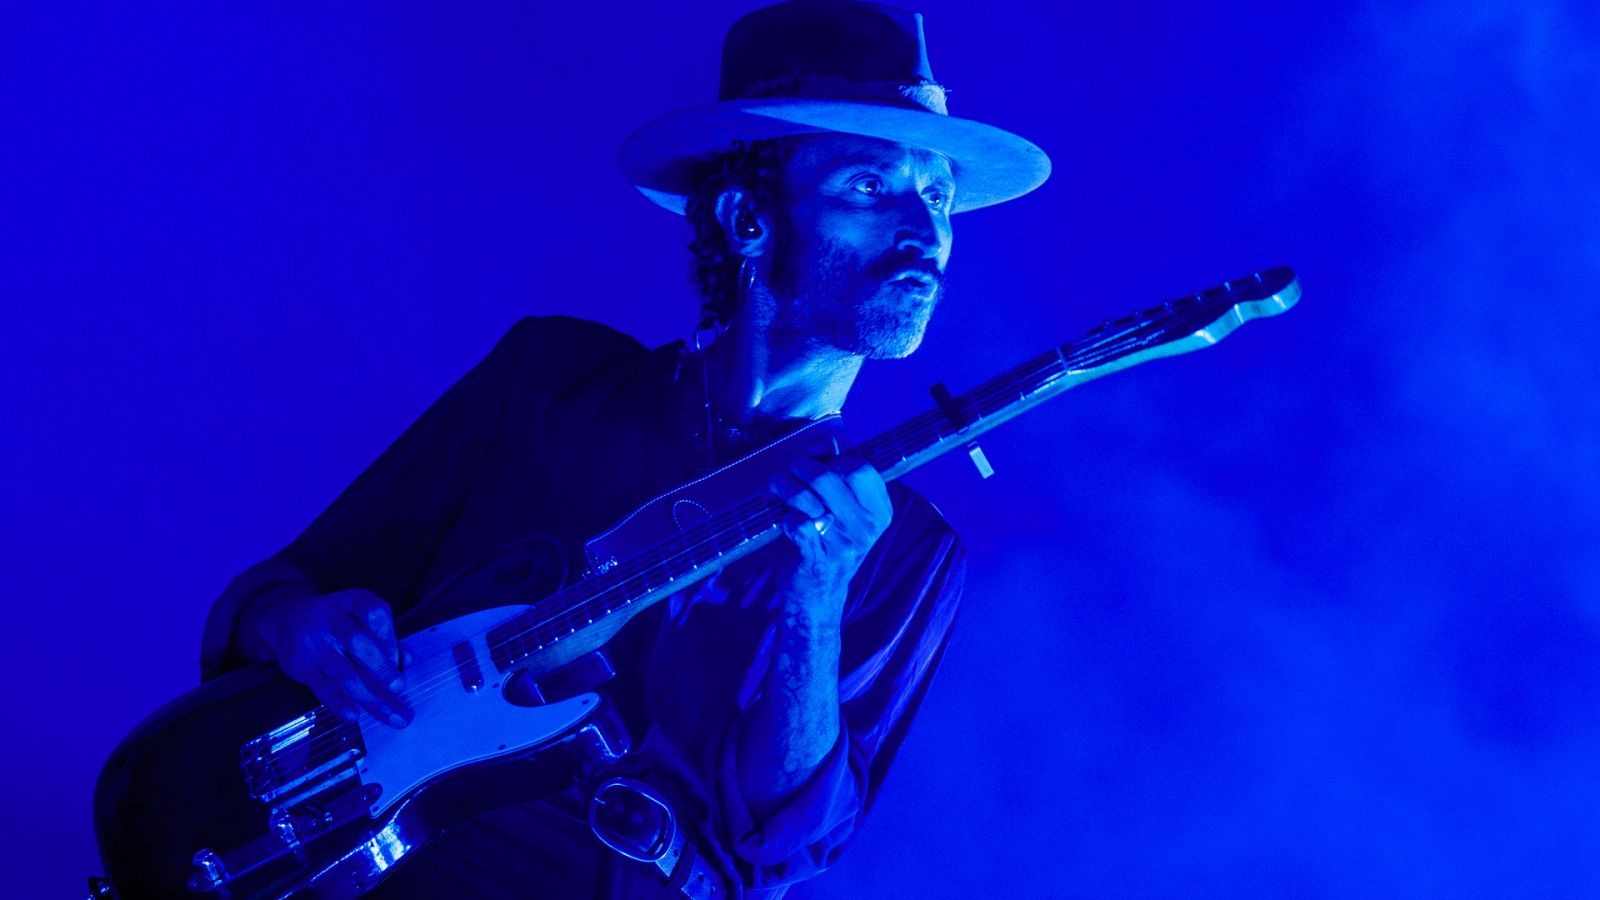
{"type": "Point", "coordinates": [333, 699]}
{"type": "Point", "coordinates": [327, 694]}
{"type": "Point", "coordinates": [798, 494]}
{"type": "Point", "coordinates": [379, 684]}
{"type": "Point", "coordinates": [358, 689]}
{"type": "Point", "coordinates": [870, 488]}
{"type": "Point", "coordinates": [803, 530]}
{"type": "Point", "coordinates": [372, 612]}
{"type": "Point", "coordinates": [363, 648]}
{"type": "Point", "coordinates": [836, 494]}
{"type": "Point", "coordinates": [344, 673]}
{"type": "Point", "coordinates": [330, 667]}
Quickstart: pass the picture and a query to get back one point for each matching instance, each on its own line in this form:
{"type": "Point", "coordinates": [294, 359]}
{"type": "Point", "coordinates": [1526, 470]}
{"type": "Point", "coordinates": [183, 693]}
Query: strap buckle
{"type": "Point", "coordinates": [635, 820]}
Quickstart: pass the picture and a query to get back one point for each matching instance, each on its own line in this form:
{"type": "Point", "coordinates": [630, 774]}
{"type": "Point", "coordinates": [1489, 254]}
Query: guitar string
{"type": "Point", "coordinates": [1050, 364]}
{"type": "Point", "coordinates": [910, 435]}
{"type": "Point", "coordinates": [914, 433]}
{"type": "Point", "coordinates": [667, 552]}
{"type": "Point", "coordinates": [916, 430]}
{"type": "Point", "coordinates": [449, 676]}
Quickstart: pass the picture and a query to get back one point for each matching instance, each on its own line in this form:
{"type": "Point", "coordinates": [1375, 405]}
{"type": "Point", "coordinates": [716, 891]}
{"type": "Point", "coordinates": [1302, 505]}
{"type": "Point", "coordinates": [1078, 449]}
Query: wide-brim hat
{"type": "Point", "coordinates": [830, 66]}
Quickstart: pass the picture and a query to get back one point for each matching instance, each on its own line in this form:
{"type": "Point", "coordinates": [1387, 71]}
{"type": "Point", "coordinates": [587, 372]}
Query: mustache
{"type": "Point", "coordinates": [897, 264]}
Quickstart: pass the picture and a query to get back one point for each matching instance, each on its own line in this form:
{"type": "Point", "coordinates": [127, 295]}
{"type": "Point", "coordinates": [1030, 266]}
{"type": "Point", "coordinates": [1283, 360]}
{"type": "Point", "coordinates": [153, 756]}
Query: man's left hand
{"type": "Point", "coordinates": [840, 509]}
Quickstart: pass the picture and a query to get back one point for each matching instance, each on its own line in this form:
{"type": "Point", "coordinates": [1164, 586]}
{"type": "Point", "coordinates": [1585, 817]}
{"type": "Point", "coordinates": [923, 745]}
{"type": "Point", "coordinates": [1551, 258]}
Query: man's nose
{"type": "Point", "coordinates": [920, 231]}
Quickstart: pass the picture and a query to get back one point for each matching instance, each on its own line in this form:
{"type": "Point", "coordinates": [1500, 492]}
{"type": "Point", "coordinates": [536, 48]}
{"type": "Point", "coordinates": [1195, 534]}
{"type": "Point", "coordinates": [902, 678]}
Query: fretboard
{"type": "Point", "coordinates": [1177, 326]}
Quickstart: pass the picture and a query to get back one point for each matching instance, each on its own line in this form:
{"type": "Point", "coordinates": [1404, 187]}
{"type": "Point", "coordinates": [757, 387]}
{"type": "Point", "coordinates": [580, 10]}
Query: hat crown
{"type": "Point", "coordinates": [838, 49]}
{"type": "Point", "coordinates": [805, 67]}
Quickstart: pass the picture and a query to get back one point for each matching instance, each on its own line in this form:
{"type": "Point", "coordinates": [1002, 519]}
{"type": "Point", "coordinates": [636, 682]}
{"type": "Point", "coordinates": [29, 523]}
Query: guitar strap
{"type": "Point", "coordinates": [636, 821]}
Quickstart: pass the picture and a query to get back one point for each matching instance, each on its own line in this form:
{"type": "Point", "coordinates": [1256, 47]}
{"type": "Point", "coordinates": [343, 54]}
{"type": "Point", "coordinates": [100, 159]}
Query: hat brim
{"type": "Point", "coordinates": [990, 165]}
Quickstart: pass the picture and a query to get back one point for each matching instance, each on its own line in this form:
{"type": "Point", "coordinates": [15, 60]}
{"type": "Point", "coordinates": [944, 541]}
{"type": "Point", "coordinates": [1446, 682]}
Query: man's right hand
{"type": "Point", "coordinates": [341, 645]}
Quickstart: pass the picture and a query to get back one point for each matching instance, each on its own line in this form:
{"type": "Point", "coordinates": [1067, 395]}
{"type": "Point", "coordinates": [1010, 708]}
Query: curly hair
{"type": "Point", "coordinates": [756, 167]}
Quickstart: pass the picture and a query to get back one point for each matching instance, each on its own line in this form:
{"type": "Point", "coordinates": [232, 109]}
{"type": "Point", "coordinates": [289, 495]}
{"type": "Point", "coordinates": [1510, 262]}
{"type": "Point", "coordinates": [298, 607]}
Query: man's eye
{"type": "Point", "coordinates": [872, 187]}
{"type": "Point", "coordinates": [937, 199]}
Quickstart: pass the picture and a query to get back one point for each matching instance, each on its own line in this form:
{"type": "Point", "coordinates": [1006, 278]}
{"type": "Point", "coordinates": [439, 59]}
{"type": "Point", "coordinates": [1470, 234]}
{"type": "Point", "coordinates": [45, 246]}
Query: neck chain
{"type": "Point", "coordinates": [714, 428]}
{"type": "Point", "coordinates": [735, 435]}
{"type": "Point", "coordinates": [716, 431]}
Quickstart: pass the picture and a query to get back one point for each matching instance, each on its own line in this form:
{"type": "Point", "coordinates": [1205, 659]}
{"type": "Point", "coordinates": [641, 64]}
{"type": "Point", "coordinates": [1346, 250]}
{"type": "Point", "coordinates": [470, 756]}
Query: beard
{"type": "Point", "coordinates": [840, 302]}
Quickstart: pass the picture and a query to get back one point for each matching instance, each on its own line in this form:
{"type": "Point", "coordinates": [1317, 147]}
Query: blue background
{"type": "Point", "coordinates": [1313, 613]}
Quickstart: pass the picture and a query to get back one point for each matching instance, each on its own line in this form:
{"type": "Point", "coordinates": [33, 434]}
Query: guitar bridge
{"type": "Point", "coordinates": [301, 760]}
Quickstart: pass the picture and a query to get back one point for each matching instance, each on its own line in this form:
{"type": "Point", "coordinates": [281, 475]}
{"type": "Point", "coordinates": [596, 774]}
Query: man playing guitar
{"type": "Point", "coordinates": [768, 700]}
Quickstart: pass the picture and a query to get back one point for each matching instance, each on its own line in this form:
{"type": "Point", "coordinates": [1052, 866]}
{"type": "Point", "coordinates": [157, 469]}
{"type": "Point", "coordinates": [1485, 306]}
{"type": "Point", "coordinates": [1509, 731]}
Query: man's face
{"type": "Point", "coordinates": [860, 251]}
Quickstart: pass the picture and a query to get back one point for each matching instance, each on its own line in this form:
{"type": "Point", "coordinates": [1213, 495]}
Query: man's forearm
{"type": "Point", "coordinates": [789, 731]}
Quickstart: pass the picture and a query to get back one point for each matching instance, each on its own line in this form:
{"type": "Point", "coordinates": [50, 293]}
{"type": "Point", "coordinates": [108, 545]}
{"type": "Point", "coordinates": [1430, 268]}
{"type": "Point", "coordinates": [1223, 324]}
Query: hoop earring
{"type": "Point", "coordinates": [712, 327]}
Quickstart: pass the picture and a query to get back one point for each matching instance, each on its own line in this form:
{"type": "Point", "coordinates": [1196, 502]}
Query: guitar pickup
{"type": "Point", "coordinates": [467, 666]}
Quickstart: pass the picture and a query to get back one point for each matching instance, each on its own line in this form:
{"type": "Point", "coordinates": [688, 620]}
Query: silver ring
{"type": "Point", "coordinates": [821, 524]}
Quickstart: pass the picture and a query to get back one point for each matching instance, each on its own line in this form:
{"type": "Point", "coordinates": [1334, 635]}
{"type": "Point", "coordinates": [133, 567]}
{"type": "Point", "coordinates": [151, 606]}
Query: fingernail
{"type": "Point", "coordinates": [397, 720]}
{"type": "Point", "coordinates": [397, 685]}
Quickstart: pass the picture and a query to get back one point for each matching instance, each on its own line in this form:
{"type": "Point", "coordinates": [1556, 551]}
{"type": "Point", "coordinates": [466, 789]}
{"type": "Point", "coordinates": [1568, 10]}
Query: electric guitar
{"type": "Point", "coordinates": [245, 788]}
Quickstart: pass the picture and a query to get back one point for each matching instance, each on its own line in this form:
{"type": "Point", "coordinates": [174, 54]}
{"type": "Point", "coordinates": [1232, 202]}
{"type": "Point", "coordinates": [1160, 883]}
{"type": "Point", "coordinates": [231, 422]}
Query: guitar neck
{"type": "Point", "coordinates": [628, 587]}
{"type": "Point", "coordinates": [1177, 326]}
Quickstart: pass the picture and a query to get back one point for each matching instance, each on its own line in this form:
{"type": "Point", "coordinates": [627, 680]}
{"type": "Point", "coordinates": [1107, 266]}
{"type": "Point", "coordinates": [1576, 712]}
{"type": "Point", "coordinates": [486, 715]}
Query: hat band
{"type": "Point", "coordinates": [925, 95]}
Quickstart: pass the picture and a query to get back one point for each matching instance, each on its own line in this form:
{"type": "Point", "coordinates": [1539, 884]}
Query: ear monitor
{"type": "Point", "coordinates": [747, 226]}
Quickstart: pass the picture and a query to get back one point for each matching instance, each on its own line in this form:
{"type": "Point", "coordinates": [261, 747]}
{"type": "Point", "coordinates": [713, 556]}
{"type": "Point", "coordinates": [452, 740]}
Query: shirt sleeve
{"type": "Point", "coordinates": [383, 531]}
{"type": "Point", "coordinates": [896, 628]}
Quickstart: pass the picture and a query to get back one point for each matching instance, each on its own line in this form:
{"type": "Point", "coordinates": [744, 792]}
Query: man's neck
{"type": "Point", "coordinates": [757, 373]}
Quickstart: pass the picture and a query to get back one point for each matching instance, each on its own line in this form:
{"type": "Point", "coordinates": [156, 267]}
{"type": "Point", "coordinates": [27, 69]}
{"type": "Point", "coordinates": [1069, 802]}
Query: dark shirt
{"type": "Point", "coordinates": [561, 430]}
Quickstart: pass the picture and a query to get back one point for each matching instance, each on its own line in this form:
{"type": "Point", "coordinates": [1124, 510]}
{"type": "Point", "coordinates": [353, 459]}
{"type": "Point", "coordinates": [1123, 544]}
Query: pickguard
{"type": "Point", "coordinates": [456, 725]}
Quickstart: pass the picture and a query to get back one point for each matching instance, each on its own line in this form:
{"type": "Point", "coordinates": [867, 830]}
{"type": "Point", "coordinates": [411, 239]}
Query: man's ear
{"type": "Point", "coordinates": [749, 231]}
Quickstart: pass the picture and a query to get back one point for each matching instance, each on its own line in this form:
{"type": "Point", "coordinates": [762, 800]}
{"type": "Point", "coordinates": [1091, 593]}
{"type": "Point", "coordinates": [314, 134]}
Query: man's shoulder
{"type": "Point", "coordinates": [548, 350]}
{"type": "Point", "coordinates": [569, 334]}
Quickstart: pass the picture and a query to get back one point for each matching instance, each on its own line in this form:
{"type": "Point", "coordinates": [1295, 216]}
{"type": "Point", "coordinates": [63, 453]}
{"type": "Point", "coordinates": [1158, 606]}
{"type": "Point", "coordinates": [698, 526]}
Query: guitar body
{"type": "Point", "coordinates": [175, 787]}
{"type": "Point", "coordinates": [290, 801]}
